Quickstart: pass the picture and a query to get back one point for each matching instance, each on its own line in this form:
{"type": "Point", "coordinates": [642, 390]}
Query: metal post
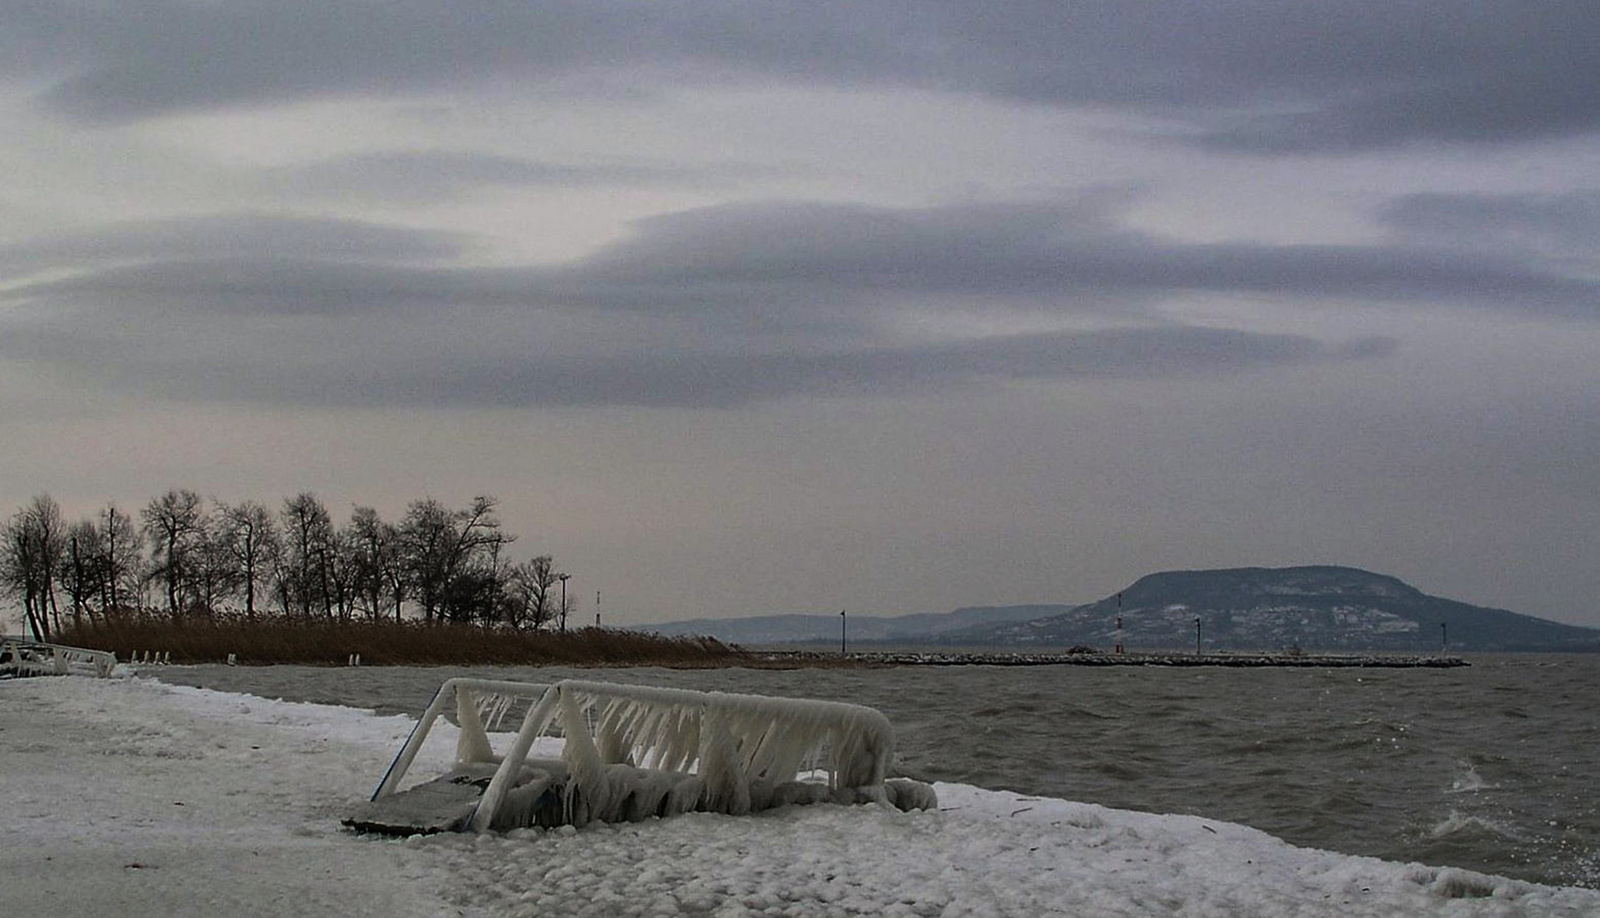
{"type": "Point", "coordinates": [841, 631]}
{"type": "Point", "coordinates": [563, 578]}
{"type": "Point", "coordinates": [1197, 636]}
{"type": "Point", "coordinates": [1119, 623]}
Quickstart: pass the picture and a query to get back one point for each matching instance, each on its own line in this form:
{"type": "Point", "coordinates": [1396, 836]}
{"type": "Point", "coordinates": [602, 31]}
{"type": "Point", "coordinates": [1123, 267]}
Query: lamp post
{"type": "Point", "coordinates": [1119, 623]}
{"type": "Point", "coordinates": [563, 578]}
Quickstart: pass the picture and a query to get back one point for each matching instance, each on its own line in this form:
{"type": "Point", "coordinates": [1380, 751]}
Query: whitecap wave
{"type": "Point", "coordinates": [1467, 780]}
{"type": "Point", "coordinates": [1458, 823]}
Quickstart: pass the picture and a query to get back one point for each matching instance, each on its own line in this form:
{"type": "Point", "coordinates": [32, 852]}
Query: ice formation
{"type": "Point", "coordinates": [22, 657]}
{"type": "Point", "coordinates": [632, 752]}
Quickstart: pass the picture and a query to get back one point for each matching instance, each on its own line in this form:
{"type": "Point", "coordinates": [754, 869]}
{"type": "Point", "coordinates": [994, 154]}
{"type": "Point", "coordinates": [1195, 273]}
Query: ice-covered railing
{"type": "Point", "coordinates": [473, 699]}
{"type": "Point", "coordinates": [632, 751]}
{"type": "Point", "coordinates": [22, 657]}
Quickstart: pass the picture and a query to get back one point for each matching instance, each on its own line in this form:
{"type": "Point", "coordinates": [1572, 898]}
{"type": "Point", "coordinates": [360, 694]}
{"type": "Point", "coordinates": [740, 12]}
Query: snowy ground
{"type": "Point", "coordinates": [129, 797]}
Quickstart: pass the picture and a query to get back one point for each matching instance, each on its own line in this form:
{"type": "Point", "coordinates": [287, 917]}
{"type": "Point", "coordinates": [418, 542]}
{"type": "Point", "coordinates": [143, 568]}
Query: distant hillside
{"type": "Point", "coordinates": [918, 628]}
{"type": "Point", "coordinates": [1315, 608]}
{"type": "Point", "coordinates": [1321, 608]}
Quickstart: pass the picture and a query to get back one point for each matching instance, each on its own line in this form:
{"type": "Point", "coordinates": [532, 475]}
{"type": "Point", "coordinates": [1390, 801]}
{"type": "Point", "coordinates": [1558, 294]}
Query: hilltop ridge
{"type": "Point", "coordinates": [1312, 607]}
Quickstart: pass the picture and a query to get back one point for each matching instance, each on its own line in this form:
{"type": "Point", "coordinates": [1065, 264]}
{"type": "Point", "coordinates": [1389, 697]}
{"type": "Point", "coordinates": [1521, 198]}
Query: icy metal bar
{"type": "Point", "coordinates": [419, 732]}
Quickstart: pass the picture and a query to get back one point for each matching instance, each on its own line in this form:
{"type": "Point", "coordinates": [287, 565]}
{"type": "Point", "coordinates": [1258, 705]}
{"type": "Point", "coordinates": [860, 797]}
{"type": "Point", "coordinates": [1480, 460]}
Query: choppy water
{"type": "Point", "coordinates": [1495, 767]}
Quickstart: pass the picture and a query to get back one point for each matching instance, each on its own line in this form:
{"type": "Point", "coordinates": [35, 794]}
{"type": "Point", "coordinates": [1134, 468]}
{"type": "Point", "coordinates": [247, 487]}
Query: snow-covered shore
{"type": "Point", "coordinates": [131, 797]}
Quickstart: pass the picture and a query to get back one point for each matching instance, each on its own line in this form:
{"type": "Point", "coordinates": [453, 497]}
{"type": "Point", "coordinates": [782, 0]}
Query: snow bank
{"type": "Point", "coordinates": [135, 798]}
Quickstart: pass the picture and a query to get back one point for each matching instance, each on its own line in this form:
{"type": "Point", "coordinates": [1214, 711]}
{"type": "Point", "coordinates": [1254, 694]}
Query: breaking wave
{"type": "Point", "coordinates": [1457, 824]}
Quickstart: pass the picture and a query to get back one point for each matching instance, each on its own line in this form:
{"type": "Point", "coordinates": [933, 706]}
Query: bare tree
{"type": "Point", "coordinates": [31, 559]}
{"type": "Point", "coordinates": [212, 577]}
{"type": "Point", "coordinates": [307, 543]}
{"type": "Point", "coordinates": [18, 571]}
{"type": "Point", "coordinates": [249, 535]}
{"type": "Point", "coordinates": [427, 533]}
{"type": "Point", "coordinates": [339, 565]}
{"type": "Point", "coordinates": [451, 557]}
{"type": "Point", "coordinates": [102, 566]}
{"type": "Point", "coordinates": [449, 562]}
{"type": "Point", "coordinates": [375, 559]}
{"type": "Point", "coordinates": [531, 583]}
{"type": "Point", "coordinates": [82, 575]}
{"type": "Point", "coordinates": [123, 558]}
{"type": "Point", "coordinates": [173, 524]}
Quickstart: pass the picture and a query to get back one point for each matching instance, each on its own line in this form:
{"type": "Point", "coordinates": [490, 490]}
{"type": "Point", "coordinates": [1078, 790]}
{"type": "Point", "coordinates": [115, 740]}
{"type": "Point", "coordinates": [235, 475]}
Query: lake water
{"type": "Point", "coordinates": [1493, 767]}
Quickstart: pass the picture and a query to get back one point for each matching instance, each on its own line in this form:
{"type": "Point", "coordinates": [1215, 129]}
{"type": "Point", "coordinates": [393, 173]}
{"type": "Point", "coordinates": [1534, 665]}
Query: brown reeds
{"type": "Point", "coordinates": [386, 643]}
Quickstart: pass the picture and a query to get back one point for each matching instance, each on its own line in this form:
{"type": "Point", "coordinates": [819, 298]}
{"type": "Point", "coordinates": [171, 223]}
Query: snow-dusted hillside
{"type": "Point", "coordinates": [1314, 608]}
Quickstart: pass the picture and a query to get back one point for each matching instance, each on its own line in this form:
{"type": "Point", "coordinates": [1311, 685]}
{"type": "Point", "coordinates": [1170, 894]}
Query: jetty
{"type": "Point", "coordinates": [1101, 658]}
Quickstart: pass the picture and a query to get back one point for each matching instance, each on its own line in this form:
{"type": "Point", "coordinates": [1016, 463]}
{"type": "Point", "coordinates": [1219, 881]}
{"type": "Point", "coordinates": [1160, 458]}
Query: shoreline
{"type": "Point", "coordinates": [203, 803]}
{"type": "Point", "coordinates": [1013, 658]}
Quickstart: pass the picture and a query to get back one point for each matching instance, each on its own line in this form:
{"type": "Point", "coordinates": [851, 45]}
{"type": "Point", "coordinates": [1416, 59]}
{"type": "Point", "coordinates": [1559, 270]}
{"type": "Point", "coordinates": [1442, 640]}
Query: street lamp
{"type": "Point", "coordinates": [563, 578]}
{"type": "Point", "coordinates": [1119, 623]}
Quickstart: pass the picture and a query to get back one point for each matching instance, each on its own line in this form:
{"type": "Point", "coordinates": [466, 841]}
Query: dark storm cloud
{"type": "Point", "coordinates": [1307, 76]}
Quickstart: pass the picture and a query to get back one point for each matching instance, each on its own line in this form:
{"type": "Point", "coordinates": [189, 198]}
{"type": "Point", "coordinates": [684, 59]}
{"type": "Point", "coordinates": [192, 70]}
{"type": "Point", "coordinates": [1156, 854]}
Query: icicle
{"type": "Point", "coordinates": [472, 744]}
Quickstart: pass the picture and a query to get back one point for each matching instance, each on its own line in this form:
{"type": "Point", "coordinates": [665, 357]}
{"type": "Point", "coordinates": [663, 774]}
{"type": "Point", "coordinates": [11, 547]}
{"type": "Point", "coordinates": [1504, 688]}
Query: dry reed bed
{"type": "Point", "coordinates": [388, 643]}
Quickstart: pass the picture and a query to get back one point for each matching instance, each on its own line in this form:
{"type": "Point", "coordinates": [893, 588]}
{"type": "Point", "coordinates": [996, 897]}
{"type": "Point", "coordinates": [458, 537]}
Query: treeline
{"type": "Point", "coordinates": [189, 559]}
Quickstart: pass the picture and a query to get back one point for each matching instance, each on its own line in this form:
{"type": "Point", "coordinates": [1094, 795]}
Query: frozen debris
{"type": "Point", "coordinates": [633, 752]}
{"type": "Point", "coordinates": [22, 657]}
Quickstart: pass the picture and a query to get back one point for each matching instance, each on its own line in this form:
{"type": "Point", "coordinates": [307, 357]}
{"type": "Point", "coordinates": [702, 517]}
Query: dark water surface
{"type": "Point", "coordinates": [1493, 767]}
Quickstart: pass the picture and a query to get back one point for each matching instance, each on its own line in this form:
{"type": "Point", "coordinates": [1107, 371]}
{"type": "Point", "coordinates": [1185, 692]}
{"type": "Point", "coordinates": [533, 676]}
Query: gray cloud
{"type": "Point", "coordinates": [1341, 75]}
{"type": "Point", "coordinates": [331, 367]}
{"type": "Point", "coordinates": [789, 268]}
{"type": "Point", "coordinates": [731, 379]}
{"type": "Point", "coordinates": [717, 307]}
{"type": "Point", "coordinates": [422, 175]}
{"type": "Point", "coordinates": [1467, 106]}
{"type": "Point", "coordinates": [231, 236]}
{"type": "Point", "coordinates": [738, 304]}
{"type": "Point", "coordinates": [1051, 255]}
{"type": "Point", "coordinates": [267, 285]}
{"type": "Point", "coordinates": [1563, 224]}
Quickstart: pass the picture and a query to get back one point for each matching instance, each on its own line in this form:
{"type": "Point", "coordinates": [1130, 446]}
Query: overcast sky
{"type": "Point", "coordinates": [750, 307]}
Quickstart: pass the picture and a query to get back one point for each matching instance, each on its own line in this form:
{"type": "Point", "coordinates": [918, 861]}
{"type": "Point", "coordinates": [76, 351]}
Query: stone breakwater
{"type": "Point", "coordinates": [979, 658]}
